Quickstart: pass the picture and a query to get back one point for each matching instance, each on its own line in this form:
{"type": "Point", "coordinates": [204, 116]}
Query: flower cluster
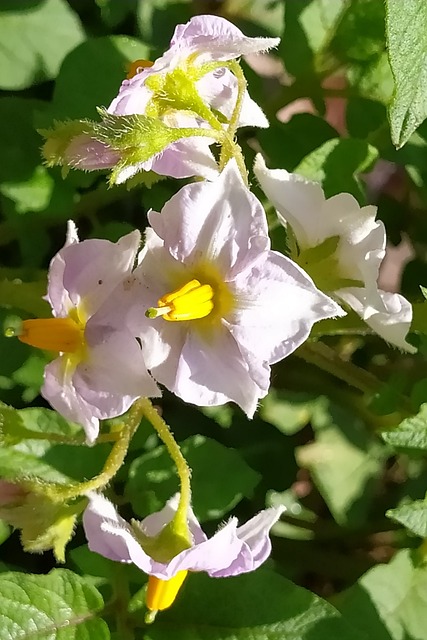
{"type": "Point", "coordinates": [204, 307]}
{"type": "Point", "coordinates": [185, 94]}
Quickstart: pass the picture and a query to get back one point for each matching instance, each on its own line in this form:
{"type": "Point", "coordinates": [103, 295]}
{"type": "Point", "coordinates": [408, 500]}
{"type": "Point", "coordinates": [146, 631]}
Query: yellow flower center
{"type": "Point", "coordinates": [190, 302]}
{"type": "Point", "coordinates": [138, 65]}
{"type": "Point", "coordinates": [205, 298]}
{"type": "Point", "coordinates": [64, 335]}
{"type": "Point", "coordinates": [162, 593]}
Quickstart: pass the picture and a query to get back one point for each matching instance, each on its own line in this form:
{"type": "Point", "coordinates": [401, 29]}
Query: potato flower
{"type": "Point", "coordinates": [187, 87]}
{"type": "Point", "coordinates": [342, 246]}
{"type": "Point", "coordinates": [212, 305]}
{"type": "Point", "coordinates": [232, 550]}
{"type": "Point", "coordinates": [99, 371]}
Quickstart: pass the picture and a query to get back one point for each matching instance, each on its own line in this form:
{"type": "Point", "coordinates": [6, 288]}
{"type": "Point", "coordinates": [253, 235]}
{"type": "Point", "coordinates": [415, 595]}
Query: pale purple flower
{"type": "Point", "coordinates": [204, 39]}
{"type": "Point", "coordinates": [100, 370]}
{"type": "Point", "coordinates": [212, 238]}
{"type": "Point", "coordinates": [231, 550]}
{"type": "Point", "coordinates": [359, 252]}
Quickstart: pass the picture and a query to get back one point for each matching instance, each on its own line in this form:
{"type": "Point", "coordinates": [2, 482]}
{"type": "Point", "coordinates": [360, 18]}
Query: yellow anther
{"type": "Point", "coordinates": [190, 302]}
{"type": "Point", "coordinates": [161, 594]}
{"type": "Point", "coordinates": [137, 66]}
{"type": "Point", "coordinates": [53, 334]}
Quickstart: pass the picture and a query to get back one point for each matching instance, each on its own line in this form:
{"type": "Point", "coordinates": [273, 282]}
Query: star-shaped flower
{"type": "Point", "coordinates": [99, 371]}
{"type": "Point", "coordinates": [232, 550]}
{"type": "Point", "coordinates": [212, 305]}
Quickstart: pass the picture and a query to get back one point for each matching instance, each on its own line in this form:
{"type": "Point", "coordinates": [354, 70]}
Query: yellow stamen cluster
{"type": "Point", "coordinates": [161, 594]}
{"type": "Point", "coordinates": [64, 335]}
{"type": "Point", "coordinates": [190, 302]}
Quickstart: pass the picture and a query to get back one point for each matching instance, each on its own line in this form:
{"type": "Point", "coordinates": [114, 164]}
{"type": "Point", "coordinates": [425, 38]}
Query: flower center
{"type": "Point", "coordinates": [190, 302]}
{"type": "Point", "coordinates": [162, 593]}
{"type": "Point", "coordinates": [137, 66]}
{"type": "Point", "coordinates": [54, 334]}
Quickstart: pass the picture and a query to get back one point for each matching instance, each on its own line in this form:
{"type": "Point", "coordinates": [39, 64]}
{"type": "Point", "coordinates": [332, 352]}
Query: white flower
{"type": "Point", "coordinates": [222, 306]}
{"type": "Point", "coordinates": [99, 370]}
{"type": "Point", "coordinates": [358, 248]}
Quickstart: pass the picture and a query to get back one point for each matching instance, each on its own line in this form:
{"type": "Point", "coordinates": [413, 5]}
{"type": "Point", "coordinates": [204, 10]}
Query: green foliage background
{"type": "Point", "coordinates": [340, 440]}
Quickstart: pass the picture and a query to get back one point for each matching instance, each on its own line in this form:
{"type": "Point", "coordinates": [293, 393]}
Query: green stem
{"type": "Point", "coordinates": [175, 453]}
{"type": "Point", "coordinates": [59, 493]}
{"type": "Point", "coordinates": [236, 69]}
{"type": "Point", "coordinates": [327, 359]}
{"type": "Point", "coordinates": [121, 602]}
{"type": "Point", "coordinates": [187, 132]}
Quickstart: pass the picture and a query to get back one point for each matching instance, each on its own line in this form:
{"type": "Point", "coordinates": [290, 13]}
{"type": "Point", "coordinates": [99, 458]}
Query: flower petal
{"type": "Point", "coordinates": [57, 296]}
{"type": "Point", "coordinates": [88, 154]}
{"type": "Point", "coordinates": [93, 269]}
{"type": "Point", "coordinates": [212, 555]}
{"type": "Point", "coordinates": [277, 305]}
{"type": "Point", "coordinates": [60, 392]}
{"type": "Point", "coordinates": [298, 202]}
{"type": "Point", "coordinates": [221, 221]}
{"type": "Point", "coordinates": [216, 38]}
{"type": "Point", "coordinates": [113, 375]}
{"type": "Point", "coordinates": [110, 536]}
{"type": "Point", "coordinates": [257, 545]}
{"type": "Point", "coordinates": [391, 318]}
{"type": "Point", "coordinates": [220, 89]}
{"type": "Point", "coordinates": [212, 372]}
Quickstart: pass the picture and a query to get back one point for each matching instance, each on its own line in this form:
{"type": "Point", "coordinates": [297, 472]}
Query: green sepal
{"type": "Point", "coordinates": [177, 91]}
{"type": "Point", "coordinates": [322, 265]}
{"type": "Point", "coordinates": [320, 252]}
{"type": "Point", "coordinates": [43, 524]}
{"type": "Point", "coordinates": [136, 137]}
{"type": "Point", "coordinates": [59, 137]}
{"type": "Point", "coordinates": [166, 545]}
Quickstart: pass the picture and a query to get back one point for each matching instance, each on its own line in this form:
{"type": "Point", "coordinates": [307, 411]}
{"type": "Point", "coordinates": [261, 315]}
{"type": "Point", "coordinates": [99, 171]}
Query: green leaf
{"type": "Point", "coordinates": [344, 461]}
{"type": "Point", "coordinates": [411, 435]}
{"type": "Point", "coordinates": [35, 38]}
{"type": "Point", "coordinates": [390, 601]}
{"type": "Point", "coordinates": [413, 516]}
{"type": "Point", "coordinates": [220, 478]}
{"type": "Point", "coordinates": [360, 33]}
{"type": "Point", "coordinates": [27, 296]}
{"type": "Point", "coordinates": [288, 411]}
{"type": "Point", "coordinates": [59, 606]}
{"type": "Point", "coordinates": [37, 457]}
{"type": "Point", "coordinates": [309, 28]}
{"type": "Point", "coordinates": [286, 144]}
{"type": "Point", "coordinates": [113, 12]}
{"type": "Point", "coordinates": [256, 17]}
{"type": "Point", "coordinates": [100, 66]}
{"type": "Point", "coordinates": [407, 50]}
{"type": "Point", "coordinates": [372, 81]}
{"type": "Point", "coordinates": [157, 20]}
{"type": "Point", "coordinates": [336, 164]}
{"type": "Point", "coordinates": [364, 117]}
{"type": "Point", "coordinates": [19, 140]}
{"type": "Point", "coordinates": [257, 606]}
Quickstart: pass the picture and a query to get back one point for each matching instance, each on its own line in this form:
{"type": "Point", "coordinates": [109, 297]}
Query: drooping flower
{"type": "Point", "coordinates": [342, 246]}
{"type": "Point", "coordinates": [99, 371]}
{"type": "Point", "coordinates": [232, 550]}
{"type": "Point", "coordinates": [221, 306]}
{"type": "Point", "coordinates": [187, 87]}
